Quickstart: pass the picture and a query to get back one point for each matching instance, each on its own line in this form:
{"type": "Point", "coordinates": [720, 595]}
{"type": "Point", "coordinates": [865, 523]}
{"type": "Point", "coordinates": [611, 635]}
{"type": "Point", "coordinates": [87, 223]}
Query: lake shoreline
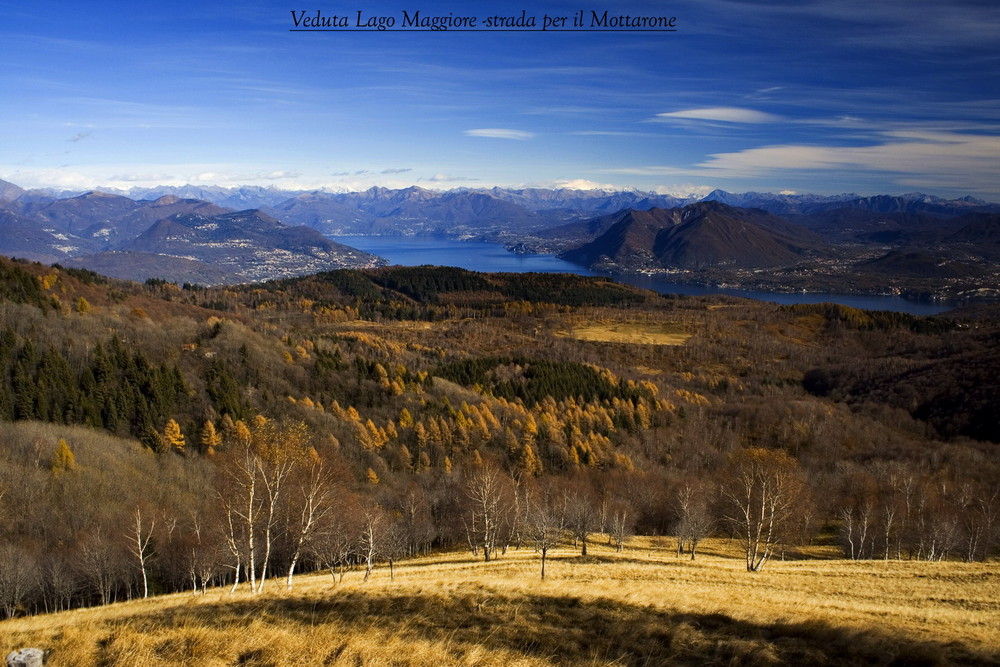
{"type": "Point", "coordinates": [488, 257]}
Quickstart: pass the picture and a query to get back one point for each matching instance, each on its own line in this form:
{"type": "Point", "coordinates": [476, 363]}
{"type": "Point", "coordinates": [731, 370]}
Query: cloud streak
{"type": "Point", "coordinates": [500, 133]}
{"type": "Point", "coordinates": [904, 151]}
{"type": "Point", "coordinates": [723, 114]}
{"type": "Point", "coordinates": [911, 157]}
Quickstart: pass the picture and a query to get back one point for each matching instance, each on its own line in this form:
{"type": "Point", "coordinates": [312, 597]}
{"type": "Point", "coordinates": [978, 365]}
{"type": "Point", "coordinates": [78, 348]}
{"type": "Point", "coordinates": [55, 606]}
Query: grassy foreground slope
{"type": "Point", "coordinates": [644, 606]}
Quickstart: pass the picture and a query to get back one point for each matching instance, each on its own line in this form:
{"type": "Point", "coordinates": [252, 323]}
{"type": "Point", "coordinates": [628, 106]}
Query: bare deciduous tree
{"type": "Point", "coordinates": [761, 489]}
{"type": "Point", "coordinates": [582, 516]}
{"type": "Point", "coordinates": [314, 504]}
{"type": "Point", "coordinates": [621, 519]}
{"type": "Point", "coordinates": [138, 538]}
{"type": "Point", "coordinates": [858, 513]}
{"type": "Point", "coordinates": [259, 463]}
{"type": "Point", "coordinates": [101, 561]}
{"type": "Point", "coordinates": [487, 493]}
{"type": "Point", "coordinates": [544, 521]}
{"type": "Point", "coordinates": [692, 506]}
{"type": "Point", "coordinates": [336, 540]}
{"type": "Point", "coordinates": [374, 527]}
{"type": "Point", "coordinates": [19, 576]}
{"type": "Point", "coordinates": [980, 511]}
{"type": "Point", "coordinates": [203, 551]}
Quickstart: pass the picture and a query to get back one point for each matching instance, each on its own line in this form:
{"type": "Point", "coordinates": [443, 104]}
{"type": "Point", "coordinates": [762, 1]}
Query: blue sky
{"type": "Point", "coordinates": [827, 97]}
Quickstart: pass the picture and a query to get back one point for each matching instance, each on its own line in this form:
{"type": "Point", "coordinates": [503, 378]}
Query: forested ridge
{"type": "Point", "coordinates": [158, 437]}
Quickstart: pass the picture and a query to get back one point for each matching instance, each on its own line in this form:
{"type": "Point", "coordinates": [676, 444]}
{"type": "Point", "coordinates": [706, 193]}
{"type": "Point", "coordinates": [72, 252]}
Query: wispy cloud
{"type": "Point", "coordinates": [611, 133]}
{"type": "Point", "coordinates": [658, 170]}
{"type": "Point", "coordinates": [903, 25]}
{"type": "Point", "coordinates": [903, 151]}
{"type": "Point", "coordinates": [121, 112]}
{"type": "Point", "coordinates": [446, 178]}
{"type": "Point", "coordinates": [763, 93]}
{"type": "Point", "coordinates": [724, 114]}
{"type": "Point", "coordinates": [910, 157]}
{"type": "Point", "coordinates": [149, 177]}
{"type": "Point", "coordinates": [278, 175]}
{"type": "Point", "coordinates": [500, 133]}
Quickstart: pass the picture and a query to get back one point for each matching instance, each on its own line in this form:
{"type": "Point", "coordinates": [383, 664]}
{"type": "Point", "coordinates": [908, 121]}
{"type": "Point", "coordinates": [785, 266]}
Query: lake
{"type": "Point", "coordinates": [491, 257]}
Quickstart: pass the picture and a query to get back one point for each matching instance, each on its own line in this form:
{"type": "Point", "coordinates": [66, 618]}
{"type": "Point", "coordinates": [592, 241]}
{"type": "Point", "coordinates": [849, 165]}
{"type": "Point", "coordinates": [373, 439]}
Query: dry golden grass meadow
{"type": "Point", "coordinates": [636, 333]}
{"type": "Point", "coordinates": [645, 606]}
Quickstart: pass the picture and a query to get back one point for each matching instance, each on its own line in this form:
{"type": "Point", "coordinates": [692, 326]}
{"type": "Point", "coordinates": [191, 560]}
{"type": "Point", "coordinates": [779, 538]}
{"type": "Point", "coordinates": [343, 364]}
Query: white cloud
{"type": "Point", "coordinates": [500, 133]}
{"type": "Point", "coordinates": [578, 184]}
{"type": "Point", "coordinates": [724, 114]}
{"type": "Point", "coordinates": [654, 171]}
{"type": "Point", "coordinates": [278, 175]}
{"type": "Point", "coordinates": [145, 178]}
{"type": "Point", "coordinates": [930, 159]}
{"type": "Point", "coordinates": [684, 190]}
{"type": "Point", "coordinates": [909, 152]}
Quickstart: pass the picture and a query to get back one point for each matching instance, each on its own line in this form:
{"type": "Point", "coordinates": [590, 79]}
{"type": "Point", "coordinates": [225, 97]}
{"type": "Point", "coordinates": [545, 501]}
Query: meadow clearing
{"type": "Point", "coordinates": [643, 606]}
{"type": "Point", "coordinates": [633, 333]}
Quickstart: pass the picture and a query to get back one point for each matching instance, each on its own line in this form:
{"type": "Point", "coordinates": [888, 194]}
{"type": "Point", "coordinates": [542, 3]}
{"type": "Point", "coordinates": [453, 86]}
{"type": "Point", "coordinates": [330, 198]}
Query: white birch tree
{"type": "Point", "coordinates": [761, 489]}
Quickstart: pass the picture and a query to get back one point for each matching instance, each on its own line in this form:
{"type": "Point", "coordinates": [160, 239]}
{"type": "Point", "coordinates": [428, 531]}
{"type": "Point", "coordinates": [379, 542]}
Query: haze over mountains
{"type": "Point", "coordinates": [213, 235]}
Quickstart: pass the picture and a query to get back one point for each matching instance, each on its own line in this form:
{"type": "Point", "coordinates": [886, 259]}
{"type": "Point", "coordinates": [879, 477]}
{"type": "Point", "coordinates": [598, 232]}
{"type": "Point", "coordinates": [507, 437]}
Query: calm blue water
{"type": "Point", "coordinates": [487, 257]}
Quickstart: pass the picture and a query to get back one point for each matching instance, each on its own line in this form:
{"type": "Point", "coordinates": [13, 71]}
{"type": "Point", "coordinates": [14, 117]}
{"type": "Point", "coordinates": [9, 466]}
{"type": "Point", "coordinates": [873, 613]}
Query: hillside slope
{"type": "Point", "coordinates": [698, 236]}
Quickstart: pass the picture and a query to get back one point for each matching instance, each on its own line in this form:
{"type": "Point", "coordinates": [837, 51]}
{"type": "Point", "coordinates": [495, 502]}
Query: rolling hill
{"type": "Point", "coordinates": [697, 236]}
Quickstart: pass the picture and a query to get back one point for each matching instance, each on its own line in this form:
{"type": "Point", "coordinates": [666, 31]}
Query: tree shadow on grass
{"type": "Point", "coordinates": [566, 630]}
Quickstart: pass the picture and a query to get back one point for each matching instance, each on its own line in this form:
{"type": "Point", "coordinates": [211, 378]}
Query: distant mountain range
{"type": "Point", "coordinates": [182, 240]}
{"type": "Point", "coordinates": [215, 235]}
{"type": "Point", "coordinates": [914, 202]}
